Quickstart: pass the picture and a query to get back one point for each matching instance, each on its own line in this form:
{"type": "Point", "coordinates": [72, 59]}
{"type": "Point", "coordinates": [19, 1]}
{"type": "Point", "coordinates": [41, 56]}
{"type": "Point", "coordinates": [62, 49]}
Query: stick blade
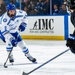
{"type": "Point", "coordinates": [24, 73]}
{"type": "Point", "coordinates": [5, 65]}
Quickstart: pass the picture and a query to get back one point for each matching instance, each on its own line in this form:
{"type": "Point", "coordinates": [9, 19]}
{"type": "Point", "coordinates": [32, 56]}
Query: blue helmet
{"type": "Point", "coordinates": [11, 7]}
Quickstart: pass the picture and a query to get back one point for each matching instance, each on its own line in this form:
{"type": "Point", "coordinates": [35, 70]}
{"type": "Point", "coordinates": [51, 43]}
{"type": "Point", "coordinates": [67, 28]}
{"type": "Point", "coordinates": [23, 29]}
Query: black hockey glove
{"type": "Point", "coordinates": [71, 43]}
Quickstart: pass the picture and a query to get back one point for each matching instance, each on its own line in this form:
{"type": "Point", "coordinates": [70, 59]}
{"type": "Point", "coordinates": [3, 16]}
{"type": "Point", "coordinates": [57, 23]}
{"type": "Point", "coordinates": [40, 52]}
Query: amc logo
{"type": "Point", "coordinates": [43, 24]}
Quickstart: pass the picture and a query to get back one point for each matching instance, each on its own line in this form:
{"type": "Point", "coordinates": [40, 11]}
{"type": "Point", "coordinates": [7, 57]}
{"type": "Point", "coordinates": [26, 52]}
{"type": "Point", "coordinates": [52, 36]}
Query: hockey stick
{"type": "Point", "coordinates": [45, 63]}
{"type": "Point", "coordinates": [5, 66]}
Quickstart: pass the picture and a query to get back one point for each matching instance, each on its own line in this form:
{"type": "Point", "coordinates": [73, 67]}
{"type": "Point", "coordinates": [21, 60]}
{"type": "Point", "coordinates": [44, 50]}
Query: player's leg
{"type": "Point", "coordinates": [25, 50]}
{"type": "Point", "coordinates": [11, 59]}
{"type": "Point", "coordinates": [9, 48]}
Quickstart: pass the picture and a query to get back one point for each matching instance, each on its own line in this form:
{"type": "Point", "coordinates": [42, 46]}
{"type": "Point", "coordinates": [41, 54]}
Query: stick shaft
{"type": "Point", "coordinates": [7, 57]}
{"type": "Point", "coordinates": [48, 61]}
{"type": "Point", "coordinates": [10, 52]}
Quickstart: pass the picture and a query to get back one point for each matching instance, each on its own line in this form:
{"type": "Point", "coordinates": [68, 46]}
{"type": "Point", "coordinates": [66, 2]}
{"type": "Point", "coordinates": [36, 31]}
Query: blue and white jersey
{"type": "Point", "coordinates": [11, 24]}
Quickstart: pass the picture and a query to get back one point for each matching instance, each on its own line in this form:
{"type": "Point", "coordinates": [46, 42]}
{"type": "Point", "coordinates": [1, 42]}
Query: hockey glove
{"type": "Point", "coordinates": [13, 41]}
{"type": "Point", "coordinates": [22, 26]}
{"type": "Point", "coordinates": [70, 41]}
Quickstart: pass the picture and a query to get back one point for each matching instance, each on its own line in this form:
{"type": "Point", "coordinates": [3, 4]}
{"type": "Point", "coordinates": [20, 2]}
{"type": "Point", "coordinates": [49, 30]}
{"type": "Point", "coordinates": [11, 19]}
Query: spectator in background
{"type": "Point", "coordinates": [68, 9]}
{"type": "Point", "coordinates": [29, 6]}
{"type": "Point", "coordinates": [65, 2]}
{"type": "Point", "coordinates": [46, 7]}
{"type": "Point", "coordinates": [7, 2]}
{"type": "Point", "coordinates": [63, 10]}
{"type": "Point", "coordinates": [2, 7]}
{"type": "Point", "coordinates": [26, 10]}
{"type": "Point", "coordinates": [17, 4]}
{"type": "Point", "coordinates": [25, 3]}
{"type": "Point", "coordinates": [56, 10]}
{"type": "Point", "coordinates": [39, 7]}
{"type": "Point", "coordinates": [58, 3]}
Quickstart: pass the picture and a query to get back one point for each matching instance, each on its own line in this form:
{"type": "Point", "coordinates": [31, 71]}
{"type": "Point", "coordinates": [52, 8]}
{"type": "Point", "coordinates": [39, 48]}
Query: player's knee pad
{"type": "Point", "coordinates": [25, 50]}
{"type": "Point", "coordinates": [9, 48]}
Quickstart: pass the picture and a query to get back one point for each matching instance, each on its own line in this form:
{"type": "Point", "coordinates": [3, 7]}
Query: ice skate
{"type": "Point", "coordinates": [11, 59]}
{"type": "Point", "coordinates": [30, 58]}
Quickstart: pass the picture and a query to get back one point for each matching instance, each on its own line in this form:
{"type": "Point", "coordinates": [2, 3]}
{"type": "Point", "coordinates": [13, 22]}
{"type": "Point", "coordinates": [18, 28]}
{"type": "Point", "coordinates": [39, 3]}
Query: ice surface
{"type": "Point", "coordinates": [42, 50]}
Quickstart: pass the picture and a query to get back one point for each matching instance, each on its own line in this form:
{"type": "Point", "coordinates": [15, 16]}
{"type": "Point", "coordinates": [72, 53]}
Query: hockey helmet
{"type": "Point", "coordinates": [11, 7]}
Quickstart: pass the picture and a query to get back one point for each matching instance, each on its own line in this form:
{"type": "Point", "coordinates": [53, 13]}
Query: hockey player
{"type": "Point", "coordinates": [12, 22]}
{"type": "Point", "coordinates": [71, 40]}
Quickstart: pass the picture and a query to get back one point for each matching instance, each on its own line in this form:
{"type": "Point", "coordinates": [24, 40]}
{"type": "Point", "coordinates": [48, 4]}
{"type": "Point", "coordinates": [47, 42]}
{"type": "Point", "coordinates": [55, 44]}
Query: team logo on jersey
{"type": "Point", "coordinates": [4, 20]}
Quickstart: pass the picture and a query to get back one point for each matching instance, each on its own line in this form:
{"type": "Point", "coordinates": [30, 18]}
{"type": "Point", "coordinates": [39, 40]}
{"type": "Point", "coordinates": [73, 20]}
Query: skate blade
{"type": "Point", "coordinates": [35, 62]}
{"type": "Point", "coordinates": [11, 63]}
